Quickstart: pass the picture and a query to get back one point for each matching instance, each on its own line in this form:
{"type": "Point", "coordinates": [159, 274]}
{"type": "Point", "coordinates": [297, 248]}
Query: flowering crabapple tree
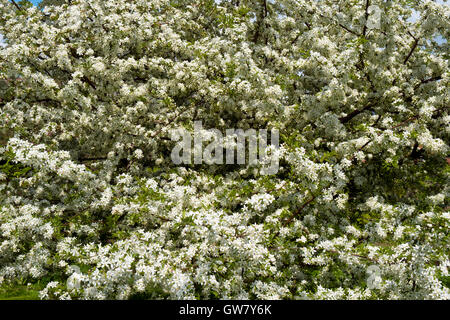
{"type": "Point", "coordinates": [91, 90]}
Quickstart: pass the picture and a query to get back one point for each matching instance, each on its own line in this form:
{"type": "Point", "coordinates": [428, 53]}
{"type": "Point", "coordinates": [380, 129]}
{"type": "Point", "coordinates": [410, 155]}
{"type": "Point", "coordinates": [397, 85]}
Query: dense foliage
{"type": "Point", "coordinates": [88, 192]}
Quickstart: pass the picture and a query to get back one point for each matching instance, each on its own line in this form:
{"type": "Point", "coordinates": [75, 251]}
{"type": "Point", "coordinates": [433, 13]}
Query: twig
{"type": "Point", "coordinates": [299, 210]}
{"type": "Point", "coordinates": [170, 121]}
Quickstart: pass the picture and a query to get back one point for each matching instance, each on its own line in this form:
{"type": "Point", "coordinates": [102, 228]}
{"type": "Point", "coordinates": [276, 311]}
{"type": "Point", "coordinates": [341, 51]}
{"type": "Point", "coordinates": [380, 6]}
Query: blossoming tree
{"type": "Point", "coordinates": [358, 209]}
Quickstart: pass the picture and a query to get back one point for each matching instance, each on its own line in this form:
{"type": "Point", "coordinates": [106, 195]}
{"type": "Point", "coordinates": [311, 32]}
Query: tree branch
{"type": "Point", "coordinates": [299, 210]}
{"type": "Point", "coordinates": [16, 5]}
{"type": "Point", "coordinates": [416, 42]}
{"type": "Point", "coordinates": [341, 25]}
{"type": "Point", "coordinates": [437, 78]}
{"type": "Point", "coordinates": [354, 113]}
{"type": "Point", "coordinates": [89, 81]}
{"type": "Point", "coordinates": [260, 20]}
{"type": "Point", "coordinates": [366, 16]}
{"type": "Point", "coordinates": [347, 29]}
{"type": "Point", "coordinates": [92, 159]}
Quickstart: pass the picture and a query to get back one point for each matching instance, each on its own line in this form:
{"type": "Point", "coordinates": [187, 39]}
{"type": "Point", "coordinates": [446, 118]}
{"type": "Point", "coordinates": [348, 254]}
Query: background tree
{"type": "Point", "coordinates": [362, 109]}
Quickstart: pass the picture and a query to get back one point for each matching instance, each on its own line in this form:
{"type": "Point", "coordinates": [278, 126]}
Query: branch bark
{"type": "Point", "coordinates": [16, 5]}
{"type": "Point", "coordinates": [354, 113]}
{"type": "Point", "coordinates": [416, 42]}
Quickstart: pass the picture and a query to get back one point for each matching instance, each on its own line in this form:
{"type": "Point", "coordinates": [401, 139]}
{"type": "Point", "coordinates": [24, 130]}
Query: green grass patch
{"type": "Point", "coordinates": [20, 292]}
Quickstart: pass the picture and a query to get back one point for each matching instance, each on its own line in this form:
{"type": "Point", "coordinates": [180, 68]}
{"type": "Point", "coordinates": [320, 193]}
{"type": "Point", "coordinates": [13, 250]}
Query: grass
{"type": "Point", "coordinates": [20, 292]}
